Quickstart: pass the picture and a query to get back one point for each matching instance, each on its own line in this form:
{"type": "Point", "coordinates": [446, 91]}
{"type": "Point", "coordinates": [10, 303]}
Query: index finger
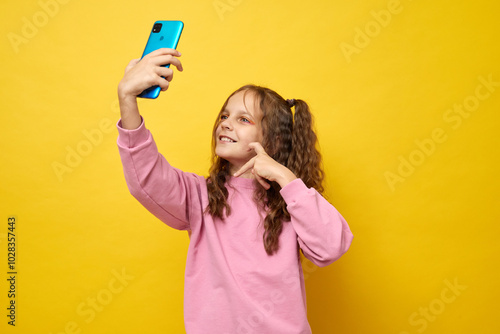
{"type": "Point", "coordinates": [257, 147]}
{"type": "Point", "coordinates": [245, 167]}
{"type": "Point", "coordinates": [165, 51]}
{"type": "Point", "coordinates": [168, 59]}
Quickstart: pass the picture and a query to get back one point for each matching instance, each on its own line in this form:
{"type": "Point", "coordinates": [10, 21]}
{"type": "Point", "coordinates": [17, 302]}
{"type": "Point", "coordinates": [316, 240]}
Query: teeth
{"type": "Point", "coordinates": [227, 139]}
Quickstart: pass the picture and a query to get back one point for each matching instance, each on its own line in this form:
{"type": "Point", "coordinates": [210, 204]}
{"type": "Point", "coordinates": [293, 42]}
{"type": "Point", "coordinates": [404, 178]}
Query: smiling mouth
{"type": "Point", "coordinates": [226, 139]}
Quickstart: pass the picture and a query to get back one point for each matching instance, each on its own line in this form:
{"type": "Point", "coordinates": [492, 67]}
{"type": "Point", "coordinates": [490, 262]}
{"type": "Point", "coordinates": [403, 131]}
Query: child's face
{"type": "Point", "coordinates": [240, 125]}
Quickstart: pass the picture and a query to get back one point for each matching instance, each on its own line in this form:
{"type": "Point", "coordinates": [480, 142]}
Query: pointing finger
{"type": "Point", "coordinates": [165, 51]}
{"type": "Point", "coordinates": [245, 167]}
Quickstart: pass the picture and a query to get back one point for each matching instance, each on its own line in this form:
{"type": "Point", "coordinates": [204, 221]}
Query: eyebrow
{"type": "Point", "coordinates": [238, 112]}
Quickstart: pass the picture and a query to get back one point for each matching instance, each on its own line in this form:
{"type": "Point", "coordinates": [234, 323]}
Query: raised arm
{"type": "Point", "coordinates": [170, 194]}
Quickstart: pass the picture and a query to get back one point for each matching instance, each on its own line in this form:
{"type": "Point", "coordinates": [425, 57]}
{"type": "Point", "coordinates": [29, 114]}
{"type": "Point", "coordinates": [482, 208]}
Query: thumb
{"type": "Point", "coordinates": [257, 147]}
{"type": "Point", "coordinates": [131, 64]}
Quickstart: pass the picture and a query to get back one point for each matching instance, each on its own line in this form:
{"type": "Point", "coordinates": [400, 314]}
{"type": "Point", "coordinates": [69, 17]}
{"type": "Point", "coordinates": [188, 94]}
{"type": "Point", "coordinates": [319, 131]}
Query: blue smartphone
{"type": "Point", "coordinates": [165, 34]}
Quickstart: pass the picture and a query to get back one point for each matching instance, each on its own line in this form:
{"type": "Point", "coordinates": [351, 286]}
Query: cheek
{"type": "Point", "coordinates": [253, 137]}
{"type": "Point", "coordinates": [259, 136]}
{"type": "Point", "coordinates": [259, 133]}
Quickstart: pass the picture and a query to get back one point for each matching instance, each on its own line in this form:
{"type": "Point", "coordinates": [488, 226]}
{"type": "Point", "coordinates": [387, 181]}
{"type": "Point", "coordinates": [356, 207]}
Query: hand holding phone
{"type": "Point", "coordinates": [141, 74]}
{"type": "Point", "coordinates": [165, 34]}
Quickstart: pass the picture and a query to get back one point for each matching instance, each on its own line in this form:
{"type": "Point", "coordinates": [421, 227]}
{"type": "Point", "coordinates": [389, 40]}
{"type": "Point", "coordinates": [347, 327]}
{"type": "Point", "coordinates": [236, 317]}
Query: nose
{"type": "Point", "coordinates": [226, 124]}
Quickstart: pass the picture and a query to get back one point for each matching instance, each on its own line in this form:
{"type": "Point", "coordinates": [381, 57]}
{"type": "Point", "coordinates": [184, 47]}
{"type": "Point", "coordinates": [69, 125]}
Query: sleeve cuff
{"type": "Point", "coordinates": [132, 138]}
{"type": "Point", "coordinates": [292, 191]}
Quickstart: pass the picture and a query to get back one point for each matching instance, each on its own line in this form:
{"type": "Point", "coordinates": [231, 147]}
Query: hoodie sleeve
{"type": "Point", "coordinates": [322, 232]}
{"type": "Point", "coordinates": [173, 196]}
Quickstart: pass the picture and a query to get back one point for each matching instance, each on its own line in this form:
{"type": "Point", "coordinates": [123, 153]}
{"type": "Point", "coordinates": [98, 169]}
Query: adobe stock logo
{"type": "Point", "coordinates": [31, 25]}
{"type": "Point", "coordinates": [250, 323]}
{"type": "Point", "coordinates": [455, 116]}
{"type": "Point", "coordinates": [425, 315]}
{"type": "Point", "coordinates": [93, 138]}
{"type": "Point", "coordinates": [223, 6]}
{"type": "Point", "coordinates": [75, 156]}
{"type": "Point", "coordinates": [372, 29]}
{"type": "Point", "coordinates": [89, 309]}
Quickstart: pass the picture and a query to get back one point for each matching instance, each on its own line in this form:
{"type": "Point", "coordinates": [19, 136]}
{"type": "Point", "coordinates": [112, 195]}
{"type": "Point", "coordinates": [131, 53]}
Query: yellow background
{"type": "Point", "coordinates": [78, 229]}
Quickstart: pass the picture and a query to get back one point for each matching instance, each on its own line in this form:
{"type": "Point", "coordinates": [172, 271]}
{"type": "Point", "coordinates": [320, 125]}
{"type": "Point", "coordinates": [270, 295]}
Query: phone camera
{"type": "Point", "coordinates": [157, 27]}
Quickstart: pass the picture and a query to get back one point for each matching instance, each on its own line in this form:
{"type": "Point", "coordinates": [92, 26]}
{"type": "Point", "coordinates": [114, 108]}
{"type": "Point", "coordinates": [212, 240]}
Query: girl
{"type": "Point", "coordinates": [248, 220]}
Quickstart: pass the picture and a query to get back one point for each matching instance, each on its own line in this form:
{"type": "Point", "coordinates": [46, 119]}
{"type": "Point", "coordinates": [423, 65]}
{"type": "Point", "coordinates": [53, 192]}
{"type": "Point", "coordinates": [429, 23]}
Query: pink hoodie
{"type": "Point", "coordinates": [231, 285]}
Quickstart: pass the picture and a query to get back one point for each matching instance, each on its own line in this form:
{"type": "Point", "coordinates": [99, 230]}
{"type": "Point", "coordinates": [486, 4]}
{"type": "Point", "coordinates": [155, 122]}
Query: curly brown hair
{"type": "Point", "coordinates": [290, 140]}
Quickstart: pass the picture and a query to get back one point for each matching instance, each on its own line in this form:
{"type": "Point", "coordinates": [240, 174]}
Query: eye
{"type": "Point", "coordinates": [246, 120]}
{"type": "Point", "coordinates": [223, 117]}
